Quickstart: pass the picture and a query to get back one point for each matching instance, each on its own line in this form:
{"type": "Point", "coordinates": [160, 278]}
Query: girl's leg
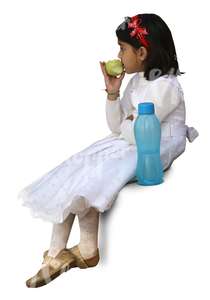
{"type": "Point", "coordinates": [88, 233]}
{"type": "Point", "coordinates": [60, 235]}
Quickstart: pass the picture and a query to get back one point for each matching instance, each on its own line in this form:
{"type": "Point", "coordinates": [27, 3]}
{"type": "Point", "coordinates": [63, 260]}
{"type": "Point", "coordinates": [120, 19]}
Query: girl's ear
{"type": "Point", "coordinates": [142, 54]}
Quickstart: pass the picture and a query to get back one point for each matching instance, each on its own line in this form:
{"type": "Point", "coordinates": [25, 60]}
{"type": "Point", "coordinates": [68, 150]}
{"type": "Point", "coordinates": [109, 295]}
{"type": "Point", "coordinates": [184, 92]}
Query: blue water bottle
{"type": "Point", "coordinates": [147, 131]}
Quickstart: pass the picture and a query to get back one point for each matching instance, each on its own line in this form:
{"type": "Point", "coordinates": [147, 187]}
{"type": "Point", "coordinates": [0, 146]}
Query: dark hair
{"type": "Point", "coordinates": [161, 49]}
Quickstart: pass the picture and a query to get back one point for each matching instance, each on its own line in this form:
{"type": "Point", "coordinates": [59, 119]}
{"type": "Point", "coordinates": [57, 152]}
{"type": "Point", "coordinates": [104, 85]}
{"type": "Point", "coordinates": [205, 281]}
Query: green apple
{"type": "Point", "coordinates": [114, 67]}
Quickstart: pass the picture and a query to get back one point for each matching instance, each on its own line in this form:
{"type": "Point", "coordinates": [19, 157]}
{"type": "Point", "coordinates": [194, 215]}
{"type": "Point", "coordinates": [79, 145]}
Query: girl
{"type": "Point", "coordinates": [88, 182]}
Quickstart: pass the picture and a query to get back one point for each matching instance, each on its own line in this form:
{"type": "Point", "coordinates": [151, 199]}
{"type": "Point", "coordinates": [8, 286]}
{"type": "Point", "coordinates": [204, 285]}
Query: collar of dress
{"type": "Point", "coordinates": [141, 74]}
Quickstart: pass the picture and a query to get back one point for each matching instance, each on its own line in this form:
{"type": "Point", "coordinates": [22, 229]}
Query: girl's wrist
{"type": "Point", "coordinates": [113, 95]}
{"type": "Point", "coordinates": [112, 92]}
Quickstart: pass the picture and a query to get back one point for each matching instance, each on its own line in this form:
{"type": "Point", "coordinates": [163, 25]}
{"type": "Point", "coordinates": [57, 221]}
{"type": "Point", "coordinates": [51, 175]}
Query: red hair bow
{"type": "Point", "coordinates": [138, 31]}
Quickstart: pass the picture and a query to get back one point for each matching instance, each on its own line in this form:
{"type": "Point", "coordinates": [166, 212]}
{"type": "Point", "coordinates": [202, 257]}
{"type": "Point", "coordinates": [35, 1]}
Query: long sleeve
{"type": "Point", "coordinates": [114, 114]}
{"type": "Point", "coordinates": [117, 110]}
{"type": "Point", "coordinates": [127, 130]}
{"type": "Point", "coordinates": [165, 97]}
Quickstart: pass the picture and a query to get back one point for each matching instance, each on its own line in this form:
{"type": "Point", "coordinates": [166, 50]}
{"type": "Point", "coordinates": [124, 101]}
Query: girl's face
{"type": "Point", "coordinates": [132, 59]}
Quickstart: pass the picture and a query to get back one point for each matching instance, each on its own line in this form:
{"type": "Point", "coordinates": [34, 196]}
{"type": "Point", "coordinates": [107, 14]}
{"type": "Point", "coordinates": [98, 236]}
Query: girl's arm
{"type": "Point", "coordinates": [117, 110]}
{"type": "Point", "coordinates": [127, 128]}
{"type": "Point", "coordinates": [114, 114]}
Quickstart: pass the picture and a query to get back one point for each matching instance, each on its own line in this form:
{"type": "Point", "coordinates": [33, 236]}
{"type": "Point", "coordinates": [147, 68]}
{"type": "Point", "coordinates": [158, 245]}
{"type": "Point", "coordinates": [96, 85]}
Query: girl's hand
{"type": "Point", "coordinates": [131, 117]}
{"type": "Point", "coordinates": [112, 83]}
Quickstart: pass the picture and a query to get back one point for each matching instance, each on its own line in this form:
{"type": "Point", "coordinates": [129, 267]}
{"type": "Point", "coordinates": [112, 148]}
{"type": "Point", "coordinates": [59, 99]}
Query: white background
{"type": "Point", "coordinates": [154, 242]}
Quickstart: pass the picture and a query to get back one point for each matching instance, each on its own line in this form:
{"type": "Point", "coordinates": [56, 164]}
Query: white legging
{"type": "Point", "coordinates": [88, 224]}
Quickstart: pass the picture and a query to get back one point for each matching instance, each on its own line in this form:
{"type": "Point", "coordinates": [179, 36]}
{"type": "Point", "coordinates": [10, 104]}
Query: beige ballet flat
{"type": "Point", "coordinates": [54, 267]}
{"type": "Point", "coordinates": [84, 263]}
{"type": "Point", "coordinates": [79, 261]}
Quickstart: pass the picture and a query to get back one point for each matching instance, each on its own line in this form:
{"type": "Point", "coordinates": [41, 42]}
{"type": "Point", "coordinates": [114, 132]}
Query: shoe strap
{"type": "Point", "coordinates": [78, 257]}
{"type": "Point", "coordinates": [57, 261]}
{"type": "Point", "coordinates": [52, 261]}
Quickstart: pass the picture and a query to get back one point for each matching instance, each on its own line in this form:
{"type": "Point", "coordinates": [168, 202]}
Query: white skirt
{"type": "Point", "coordinates": [90, 178]}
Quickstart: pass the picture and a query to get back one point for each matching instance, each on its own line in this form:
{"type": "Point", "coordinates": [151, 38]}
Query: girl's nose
{"type": "Point", "coordinates": [119, 56]}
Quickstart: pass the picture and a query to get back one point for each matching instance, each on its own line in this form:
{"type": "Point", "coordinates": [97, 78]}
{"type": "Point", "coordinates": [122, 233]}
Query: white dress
{"type": "Point", "coordinates": [94, 176]}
